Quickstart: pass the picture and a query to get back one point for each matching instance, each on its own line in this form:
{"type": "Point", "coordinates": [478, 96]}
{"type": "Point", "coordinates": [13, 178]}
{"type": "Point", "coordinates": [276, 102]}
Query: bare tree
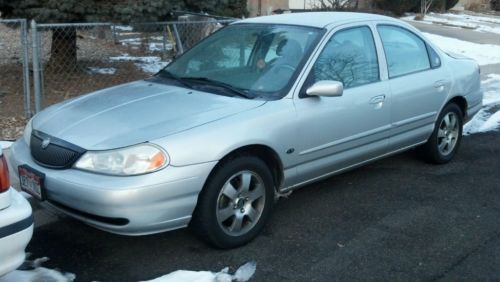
{"type": "Point", "coordinates": [333, 4]}
{"type": "Point", "coordinates": [425, 6]}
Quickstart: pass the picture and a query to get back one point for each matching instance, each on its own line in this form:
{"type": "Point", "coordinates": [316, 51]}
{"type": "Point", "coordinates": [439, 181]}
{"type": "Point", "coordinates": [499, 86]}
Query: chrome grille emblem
{"type": "Point", "coordinates": [45, 143]}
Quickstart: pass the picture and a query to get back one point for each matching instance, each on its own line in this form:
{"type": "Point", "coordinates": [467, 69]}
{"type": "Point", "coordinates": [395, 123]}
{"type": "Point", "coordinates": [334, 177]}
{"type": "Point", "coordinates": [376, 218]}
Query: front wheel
{"type": "Point", "coordinates": [445, 139]}
{"type": "Point", "coordinates": [235, 203]}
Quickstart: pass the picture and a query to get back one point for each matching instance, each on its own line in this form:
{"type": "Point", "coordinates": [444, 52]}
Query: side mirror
{"type": "Point", "coordinates": [327, 88]}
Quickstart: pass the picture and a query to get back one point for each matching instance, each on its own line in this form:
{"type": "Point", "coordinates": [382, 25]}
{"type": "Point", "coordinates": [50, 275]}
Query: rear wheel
{"type": "Point", "coordinates": [235, 203]}
{"type": "Point", "coordinates": [445, 140]}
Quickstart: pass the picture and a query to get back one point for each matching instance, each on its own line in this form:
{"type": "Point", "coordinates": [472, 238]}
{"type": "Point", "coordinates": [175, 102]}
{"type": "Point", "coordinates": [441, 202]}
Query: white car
{"type": "Point", "coordinates": [16, 222]}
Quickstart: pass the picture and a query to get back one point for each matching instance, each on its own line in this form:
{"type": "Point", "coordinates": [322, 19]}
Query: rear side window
{"type": "Point", "coordinates": [349, 57]}
{"type": "Point", "coordinates": [405, 52]}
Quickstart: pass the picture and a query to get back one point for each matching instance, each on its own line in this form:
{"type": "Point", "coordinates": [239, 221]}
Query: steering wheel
{"type": "Point", "coordinates": [286, 67]}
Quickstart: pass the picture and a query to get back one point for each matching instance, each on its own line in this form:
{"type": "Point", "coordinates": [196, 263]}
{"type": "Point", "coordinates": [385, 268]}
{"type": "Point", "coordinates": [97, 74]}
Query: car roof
{"type": "Point", "coordinates": [315, 19]}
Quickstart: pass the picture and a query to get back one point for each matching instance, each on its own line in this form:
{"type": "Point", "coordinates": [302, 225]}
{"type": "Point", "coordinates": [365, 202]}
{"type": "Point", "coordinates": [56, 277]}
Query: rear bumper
{"type": "Point", "coordinates": [134, 205]}
{"type": "Point", "coordinates": [16, 229]}
{"type": "Point", "coordinates": [473, 110]}
{"type": "Point", "coordinates": [475, 103]}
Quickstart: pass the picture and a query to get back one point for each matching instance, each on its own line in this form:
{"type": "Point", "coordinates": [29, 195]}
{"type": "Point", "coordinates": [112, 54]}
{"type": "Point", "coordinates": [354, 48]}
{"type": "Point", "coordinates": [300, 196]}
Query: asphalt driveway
{"type": "Point", "coordinates": [395, 219]}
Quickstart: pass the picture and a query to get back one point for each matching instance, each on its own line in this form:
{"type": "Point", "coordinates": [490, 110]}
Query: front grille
{"type": "Point", "coordinates": [56, 154]}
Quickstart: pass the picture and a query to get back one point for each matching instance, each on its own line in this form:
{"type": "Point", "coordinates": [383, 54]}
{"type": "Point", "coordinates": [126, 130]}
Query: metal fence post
{"type": "Point", "coordinates": [113, 33]}
{"type": "Point", "coordinates": [164, 41]}
{"type": "Point", "coordinates": [178, 41]}
{"type": "Point", "coordinates": [36, 68]}
{"type": "Point", "coordinates": [26, 73]}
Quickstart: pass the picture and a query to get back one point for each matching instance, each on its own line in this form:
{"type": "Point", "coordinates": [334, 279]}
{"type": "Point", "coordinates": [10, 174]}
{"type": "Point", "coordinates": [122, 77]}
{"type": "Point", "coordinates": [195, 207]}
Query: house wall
{"type": "Point", "coordinates": [476, 5]}
{"type": "Point", "coordinates": [309, 4]}
{"type": "Point", "coordinates": [265, 7]}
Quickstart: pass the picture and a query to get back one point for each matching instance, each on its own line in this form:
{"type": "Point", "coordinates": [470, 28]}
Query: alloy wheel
{"type": "Point", "coordinates": [448, 133]}
{"type": "Point", "coordinates": [240, 203]}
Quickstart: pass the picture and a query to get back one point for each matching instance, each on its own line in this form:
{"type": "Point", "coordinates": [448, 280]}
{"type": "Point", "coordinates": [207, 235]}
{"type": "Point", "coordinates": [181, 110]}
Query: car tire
{"type": "Point", "coordinates": [235, 202]}
{"type": "Point", "coordinates": [446, 137]}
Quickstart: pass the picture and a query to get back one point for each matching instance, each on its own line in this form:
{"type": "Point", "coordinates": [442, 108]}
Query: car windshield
{"type": "Point", "coordinates": [247, 60]}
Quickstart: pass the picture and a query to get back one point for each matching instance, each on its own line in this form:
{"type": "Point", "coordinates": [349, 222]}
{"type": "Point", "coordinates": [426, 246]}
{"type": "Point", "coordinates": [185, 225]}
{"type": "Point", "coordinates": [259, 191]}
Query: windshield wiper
{"type": "Point", "coordinates": [179, 79]}
{"type": "Point", "coordinates": [225, 86]}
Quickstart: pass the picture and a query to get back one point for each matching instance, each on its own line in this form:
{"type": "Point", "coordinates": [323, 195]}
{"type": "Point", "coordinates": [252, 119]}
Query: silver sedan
{"type": "Point", "coordinates": [262, 107]}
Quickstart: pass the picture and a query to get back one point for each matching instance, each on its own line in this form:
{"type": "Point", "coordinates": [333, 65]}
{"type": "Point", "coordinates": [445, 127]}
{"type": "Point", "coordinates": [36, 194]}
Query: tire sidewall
{"type": "Point", "coordinates": [211, 191]}
{"type": "Point", "coordinates": [437, 155]}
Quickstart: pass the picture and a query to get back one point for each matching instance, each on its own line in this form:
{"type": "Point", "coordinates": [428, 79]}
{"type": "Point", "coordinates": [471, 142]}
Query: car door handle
{"type": "Point", "coordinates": [377, 99]}
{"type": "Point", "coordinates": [440, 85]}
{"type": "Point", "coordinates": [377, 102]}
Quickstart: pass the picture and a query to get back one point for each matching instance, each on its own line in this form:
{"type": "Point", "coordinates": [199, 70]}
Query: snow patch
{"type": "Point", "coordinates": [124, 27]}
{"type": "Point", "coordinates": [484, 54]}
{"type": "Point", "coordinates": [244, 273]}
{"type": "Point", "coordinates": [149, 64]}
{"type": "Point", "coordinates": [37, 274]}
{"type": "Point", "coordinates": [477, 23]}
{"type": "Point", "coordinates": [131, 41]}
{"type": "Point", "coordinates": [153, 43]}
{"type": "Point", "coordinates": [152, 66]}
{"type": "Point", "coordinates": [491, 124]}
{"type": "Point", "coordinates": [488, 118]}
{"type": "Point", "coordinates": [96, 70]}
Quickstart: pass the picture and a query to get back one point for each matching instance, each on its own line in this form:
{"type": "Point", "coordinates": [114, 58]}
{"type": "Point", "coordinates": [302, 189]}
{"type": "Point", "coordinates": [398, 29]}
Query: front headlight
{"type": "Point", "coordinates": [27, 132]}
{"type": "Point", "coordinates": [133, 160]}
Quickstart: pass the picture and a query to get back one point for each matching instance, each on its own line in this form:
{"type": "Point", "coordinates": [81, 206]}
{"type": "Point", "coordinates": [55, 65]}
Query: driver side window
{"type": "Point", "coordinates": [349, 57]}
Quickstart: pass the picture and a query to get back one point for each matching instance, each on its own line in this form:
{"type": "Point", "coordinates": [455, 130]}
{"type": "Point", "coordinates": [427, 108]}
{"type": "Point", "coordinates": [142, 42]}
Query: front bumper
{"type": "Point", "coordinates": [129, 205]}
{"type": "Point", "coordinates": [16, 229]}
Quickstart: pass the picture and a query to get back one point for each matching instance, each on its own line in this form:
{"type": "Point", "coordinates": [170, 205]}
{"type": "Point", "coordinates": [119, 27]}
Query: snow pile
{"type": "Point", "coordinates": [152, 44]}
{"type": "Point", "coordinates": [488, 118]}
{"type": "Point", "coordinates": [123, 27]}
{"type": "Point", "coordinates": [244, 273]}
{"type": "Point", "coordinates": [158, 46]}
{"type": "Point", "coordinates": [5, 144]}
{"type": "Point", "coordinates": [37, 274]}
{"type": "Point", "coordinates": [484, 54]}
{"type": "Point", "coordinates": [149, 64]}
{"type": "Point", "coordinates": [134, 43]}
{"type": "Point", "coordinates": [96, 70]}
{"type": "Point", "coordinates": [478, 23]}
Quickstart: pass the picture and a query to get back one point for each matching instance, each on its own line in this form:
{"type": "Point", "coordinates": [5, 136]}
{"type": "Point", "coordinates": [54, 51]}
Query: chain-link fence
{"type": "Point", "coordinates": [15, 103]}
{"type": "Point", "coordinates": [73, 59]}
{"type": "Point", "coordinates": [55, 62]}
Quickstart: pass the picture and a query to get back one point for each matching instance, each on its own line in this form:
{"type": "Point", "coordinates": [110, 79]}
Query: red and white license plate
{"type": "Point", "coordinates": [32, 181]}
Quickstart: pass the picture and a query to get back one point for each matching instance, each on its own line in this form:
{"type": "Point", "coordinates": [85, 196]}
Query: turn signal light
{"type": "Point", "coordinates": [4, 175]}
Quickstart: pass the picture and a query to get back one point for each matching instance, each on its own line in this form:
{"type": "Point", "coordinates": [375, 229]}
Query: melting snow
{"type": "Point", "coordinates": [150, 64]}
{"type": "Point", "coordinates": [488, 118]}
{"type": "Point", "coordinates": [37, 274]}
{"type": "Point", "coordinates": [153, 43]}
{"type": "Point", "coordinates": [484, 54]}
{"type": "Point", "coordinates": [124, 27]}
{"type": "Point", "coordinates": [478, 23]}
{"type": "Point", "coordinates": [244, 273]}
{"type": "Point", "coordinates": [97, 70]}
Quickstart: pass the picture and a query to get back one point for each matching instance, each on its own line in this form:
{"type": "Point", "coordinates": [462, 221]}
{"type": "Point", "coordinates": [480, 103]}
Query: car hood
{"type": "Point", "coordinates": [133, 113]}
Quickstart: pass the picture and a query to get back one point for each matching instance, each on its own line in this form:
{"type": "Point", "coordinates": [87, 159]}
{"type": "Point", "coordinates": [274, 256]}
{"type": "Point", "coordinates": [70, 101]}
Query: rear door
{"type": "Point", "coordinates": [418, 83]}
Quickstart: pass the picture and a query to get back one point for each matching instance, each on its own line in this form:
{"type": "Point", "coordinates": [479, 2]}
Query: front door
{"type": "Point", "coordinates": [338, 132]}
